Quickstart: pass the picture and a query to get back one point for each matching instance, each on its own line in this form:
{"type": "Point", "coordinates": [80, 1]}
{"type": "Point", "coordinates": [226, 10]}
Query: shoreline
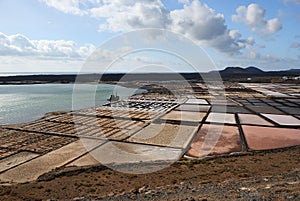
{"type": "Point", "coordinates": [66, 105]}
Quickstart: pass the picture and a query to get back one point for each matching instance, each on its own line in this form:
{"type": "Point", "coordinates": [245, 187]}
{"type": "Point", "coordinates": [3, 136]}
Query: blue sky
{"type": "Point", "coordinates": [59, 35]}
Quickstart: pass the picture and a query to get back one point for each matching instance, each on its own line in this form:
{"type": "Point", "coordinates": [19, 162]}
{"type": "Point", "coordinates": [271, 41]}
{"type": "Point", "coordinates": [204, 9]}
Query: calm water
{"type": "Point", "coordinates": [24, 103]}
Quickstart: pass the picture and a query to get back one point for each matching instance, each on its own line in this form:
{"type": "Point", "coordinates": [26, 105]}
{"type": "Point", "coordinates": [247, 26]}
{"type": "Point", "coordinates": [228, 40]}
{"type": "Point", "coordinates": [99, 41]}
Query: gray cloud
{"type": "Point", "coordinates": [295, 45]}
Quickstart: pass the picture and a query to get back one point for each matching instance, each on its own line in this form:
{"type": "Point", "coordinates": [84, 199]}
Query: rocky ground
{"type": "Point", "coordinates": [277, 187]}
{"type": "Point", "coordinates": [272, 175]}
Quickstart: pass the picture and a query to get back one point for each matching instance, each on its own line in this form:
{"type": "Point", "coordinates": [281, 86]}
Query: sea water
{"type": "Point", "coordinates": [25, 103]}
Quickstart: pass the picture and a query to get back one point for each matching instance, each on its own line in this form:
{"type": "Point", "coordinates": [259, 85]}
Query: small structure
{"type": "Point", "coordinates": [114, 98]}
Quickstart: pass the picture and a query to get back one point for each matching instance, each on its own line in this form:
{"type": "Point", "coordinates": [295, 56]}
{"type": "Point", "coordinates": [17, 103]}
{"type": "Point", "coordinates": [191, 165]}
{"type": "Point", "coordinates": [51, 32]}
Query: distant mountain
{"type": "Point", "coordinates": [294, 70]}
{"type": "Point", "coordinates": [252, 72]}
{"type": "Point", "coordinates": [241, 71]}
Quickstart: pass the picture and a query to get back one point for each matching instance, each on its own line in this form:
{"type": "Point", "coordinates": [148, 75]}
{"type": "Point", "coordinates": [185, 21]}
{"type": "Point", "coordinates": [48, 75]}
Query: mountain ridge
{"type": "Point", "coordinates": [239, 70]}
{"type": "Point", "coordinates": [254, 71]}
{"type": "Point", "coordinates": [228, 73]}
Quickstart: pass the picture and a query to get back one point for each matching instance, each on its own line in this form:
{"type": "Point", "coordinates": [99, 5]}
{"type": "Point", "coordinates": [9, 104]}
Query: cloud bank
{"type": "Point", "coordinates": [20, 45]}
{"type": "Point", "coordinates": [195, 20]}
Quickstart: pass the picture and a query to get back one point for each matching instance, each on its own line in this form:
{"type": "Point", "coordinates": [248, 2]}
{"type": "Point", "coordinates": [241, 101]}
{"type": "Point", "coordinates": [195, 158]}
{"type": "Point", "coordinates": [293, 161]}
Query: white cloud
{"type": "Point", "coordinates": [253, 56]}
{"type": "Point", "coordinates": [202, 24]}
{"type": "Point", "coordinates": [195, 20]}
{"type": "Point", "coordinates": [254, 17]}
{"type": "Point", "coordinates": [125, 15]}
{"type": "Point", "coordinates": [198, 22]}
{"type": "Point", "coordinates": [19, 45]}
{"type": "Point", "coordinates": [186, 2]}
{"type": "Point", "coordinates": [75, 7]}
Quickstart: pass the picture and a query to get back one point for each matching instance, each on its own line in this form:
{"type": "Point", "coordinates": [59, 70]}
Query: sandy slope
{"type": "Point", "coordinates": [268, 175]}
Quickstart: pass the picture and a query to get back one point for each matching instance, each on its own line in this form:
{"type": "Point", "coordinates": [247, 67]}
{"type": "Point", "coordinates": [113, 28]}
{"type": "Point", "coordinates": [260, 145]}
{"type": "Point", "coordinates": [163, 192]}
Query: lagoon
{"type": "Point", "coordinates": [25, 103]}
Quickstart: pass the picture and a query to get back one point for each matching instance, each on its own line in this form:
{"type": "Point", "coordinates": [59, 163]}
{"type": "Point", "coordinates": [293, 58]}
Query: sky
{"type": "Point", "coordinates": [60, 35]}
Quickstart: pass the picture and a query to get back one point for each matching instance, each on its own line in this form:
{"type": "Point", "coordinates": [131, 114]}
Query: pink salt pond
{"type": "Point", "coordinates": [215, 139]}
{"type": "Point", "coordinates": [263, 138]}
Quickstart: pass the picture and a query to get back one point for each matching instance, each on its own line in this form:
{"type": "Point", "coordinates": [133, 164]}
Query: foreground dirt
{"type": "Point", "coordinates": [259, 176]}
{"type": "Point", "coordinates": [277, 187]}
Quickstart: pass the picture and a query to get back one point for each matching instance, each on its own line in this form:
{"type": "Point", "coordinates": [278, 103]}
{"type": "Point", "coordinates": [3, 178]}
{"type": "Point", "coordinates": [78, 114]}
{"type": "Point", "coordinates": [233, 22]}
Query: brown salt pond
{"type": "Point", "coordinates": [184, 116]}
{"type": "Point", "coordinates": [31, 170]}
{"type": "Point", "coordinates": [16, 159]}
{"type": "Point", "coordinates": [206, 143]}
{"type": "Point", "coordinates": [263, 138]}
{"type": "Point", "coordinates": [253, 119]}
{"type": "Point", "coordinates": [284, 120]}
{"type": "Point", "coordinates": [130, 157]}
{"type": "Point", "coordinates": [193, 108]}
{"type": "Point", "coordinates": [85, 160]}
{"type": "Point", "coordinates": [166, 135]}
